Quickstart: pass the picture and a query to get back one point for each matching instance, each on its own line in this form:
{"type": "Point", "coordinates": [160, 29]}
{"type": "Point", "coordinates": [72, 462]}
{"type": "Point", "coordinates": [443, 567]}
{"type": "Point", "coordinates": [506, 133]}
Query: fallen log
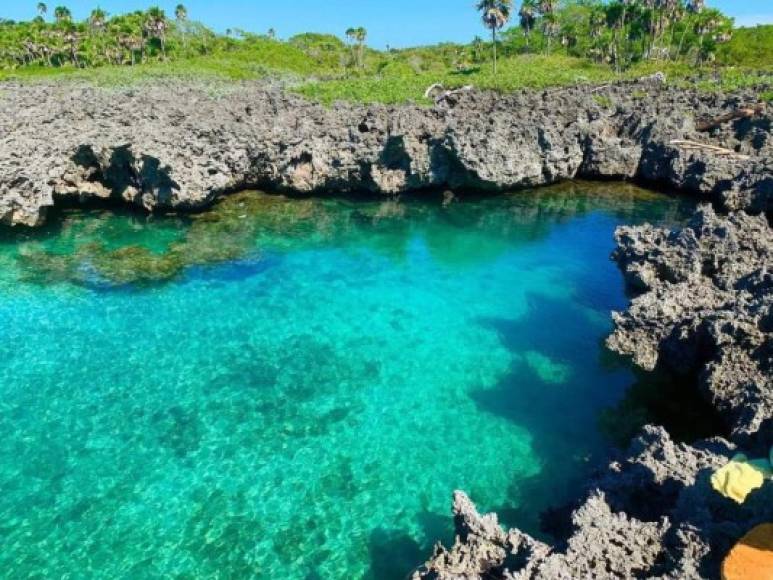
{"type": "Point", "coordinates": [742, 113]}
{"type": "Point", "coordinates": [695, 145]}
{"type": "Point", "coordinates": [445, 95]}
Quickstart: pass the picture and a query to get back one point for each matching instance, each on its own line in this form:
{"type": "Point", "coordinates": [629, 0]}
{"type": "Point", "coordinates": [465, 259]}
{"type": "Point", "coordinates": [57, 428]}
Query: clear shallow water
{"type": "Point", "coordinates": [293, 389]}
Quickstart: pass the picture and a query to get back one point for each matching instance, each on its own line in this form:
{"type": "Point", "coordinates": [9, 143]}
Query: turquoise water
{"type": "Point", "coordinates": [293, 388]}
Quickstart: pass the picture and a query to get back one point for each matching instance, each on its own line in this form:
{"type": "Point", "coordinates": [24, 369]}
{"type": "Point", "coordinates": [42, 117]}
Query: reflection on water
{"type": "Point", "coordinates": [294, 387]}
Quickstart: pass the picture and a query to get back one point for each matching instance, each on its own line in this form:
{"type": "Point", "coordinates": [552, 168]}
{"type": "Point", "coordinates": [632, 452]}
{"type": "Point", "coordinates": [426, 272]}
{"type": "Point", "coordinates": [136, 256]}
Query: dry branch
{"type": "Point", "coordinates": [694, 145]}
{"type": "Point", "coordinates": [742, 113]}
{"type": "Point", "coordinates": [444, 95]}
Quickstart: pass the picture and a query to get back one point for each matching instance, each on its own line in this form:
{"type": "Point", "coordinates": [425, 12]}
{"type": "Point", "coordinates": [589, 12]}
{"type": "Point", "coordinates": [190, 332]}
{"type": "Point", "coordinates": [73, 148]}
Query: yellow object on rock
{"type": "Point", "coordinates": [739, 478]}
{"type": "Point", "coordinates": [752, 557]}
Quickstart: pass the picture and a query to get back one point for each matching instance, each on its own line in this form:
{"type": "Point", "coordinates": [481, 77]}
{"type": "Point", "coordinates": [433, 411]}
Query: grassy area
{"type": "Point", "coordinates": [316, 66]}
{"type": "Point", "coordinates": [259, 58]}
{"type": "Point", "coordinates": [395, 84]}
{"type": "Point", "coordinates": [749, 47]}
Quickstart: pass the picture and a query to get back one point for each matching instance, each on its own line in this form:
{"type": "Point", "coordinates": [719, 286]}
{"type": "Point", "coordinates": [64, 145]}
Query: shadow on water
{"type": "Point", "coordinates": [394, 554]}
{"type": "Point", "coordinates": [577, 419]}
{"type": "Point", "coordinates": [557, 400]}
{"type": "Point", "coordinates": [662, 398]}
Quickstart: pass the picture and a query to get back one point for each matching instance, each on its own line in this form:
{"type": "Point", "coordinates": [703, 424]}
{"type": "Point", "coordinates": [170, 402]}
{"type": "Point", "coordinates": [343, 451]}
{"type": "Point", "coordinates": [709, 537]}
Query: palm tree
{"type": "Point", "coordinates": [181, 16]}
{"type": "Point", "coordinates": [156, 26]}
{"type": "Point", "coordinates": [97, 19]}
{"type": "Point", "coordinates": [62, 14]}
{"type": "Point", "coordinates": [357, 37]}
{"type": "Point", "coordinates": [350, 35]}
{"type": "Point", "coordinates": [42, 9]}
{"type": "Point", "coordinates": [495, 14]}
{"type": "Point", "coordinates": [132, 44]}
{"type": "Point", "coordinates": [477, 49]}
{"type": "Point", "coordinates": [527, 17]}
{"type": "Point", "coordinates": [547, 8]}
{"type": "Point", "coordinates": [622, 39]}
{"type": "Point", "coordinates": [693, 7]}
{"type": "Point", "coordinates": [361, 34]}
{"type": "Point", "coordinates": [72, 39]}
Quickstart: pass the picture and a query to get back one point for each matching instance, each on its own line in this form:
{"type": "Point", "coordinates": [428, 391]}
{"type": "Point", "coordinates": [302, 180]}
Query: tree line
{"type": "Point", "coordinates": [619, 33]}
{"type": "Point", "coordinates": [53, 38]}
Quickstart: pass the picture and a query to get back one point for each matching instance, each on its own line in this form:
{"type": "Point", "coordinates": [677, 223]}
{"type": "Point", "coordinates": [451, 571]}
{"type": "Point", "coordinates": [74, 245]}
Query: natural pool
{"type": "Point", "coordinates": [293, 388]}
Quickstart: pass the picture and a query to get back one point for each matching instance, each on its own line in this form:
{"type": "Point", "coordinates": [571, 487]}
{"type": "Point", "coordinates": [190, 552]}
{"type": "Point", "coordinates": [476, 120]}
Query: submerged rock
{"type": "Point", "coordinates": [705, 293]}
{"type": "Point", "coordinates": [178, 146]}
{"type": "Point", "coordinates": [702, 306]}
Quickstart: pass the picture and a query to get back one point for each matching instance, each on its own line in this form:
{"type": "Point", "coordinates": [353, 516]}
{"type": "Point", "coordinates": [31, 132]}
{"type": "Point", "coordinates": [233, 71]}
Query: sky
{"type": "Point", "coordinates": [396, 23]}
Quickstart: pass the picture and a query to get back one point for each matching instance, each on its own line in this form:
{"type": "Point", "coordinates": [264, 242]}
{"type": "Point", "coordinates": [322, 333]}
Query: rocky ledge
{"type": "Point", "coordinates": [178, 146]}
{"type": "Point", "coordinates": [703, 307]}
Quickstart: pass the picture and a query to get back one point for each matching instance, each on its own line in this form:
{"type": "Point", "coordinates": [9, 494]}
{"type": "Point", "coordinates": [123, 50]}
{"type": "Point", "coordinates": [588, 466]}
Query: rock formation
{"type": "Point", "coordinates": [651, 514]}
{"type": "Point", "coordinates": [179, 146]}
{"type": "Point", "coordinates": [705, 307]}
{"type": "Point", "coordinates": [702, 307]}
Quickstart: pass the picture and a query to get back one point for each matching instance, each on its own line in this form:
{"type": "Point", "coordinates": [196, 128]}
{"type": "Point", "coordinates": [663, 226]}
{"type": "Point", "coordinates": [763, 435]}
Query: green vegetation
{"type": "Point", "coordinates": [550, 44]}
{"type": "Point", "coordinates": [749, 47]}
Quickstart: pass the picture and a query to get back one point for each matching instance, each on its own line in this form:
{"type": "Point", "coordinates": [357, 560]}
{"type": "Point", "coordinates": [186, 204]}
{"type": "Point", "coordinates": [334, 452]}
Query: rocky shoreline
{"type": "Point", "coordinates": [702, 296]}
{"type": "Point", "coordinates": [704, 308]}
{"type": "Point", "coordinates": [179, 146]}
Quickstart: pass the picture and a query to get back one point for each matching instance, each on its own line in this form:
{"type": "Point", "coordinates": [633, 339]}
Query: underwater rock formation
{"type": "Point", "coordinates": [178, 146]}
{"type": "Point", "coordinates": [704, 304]}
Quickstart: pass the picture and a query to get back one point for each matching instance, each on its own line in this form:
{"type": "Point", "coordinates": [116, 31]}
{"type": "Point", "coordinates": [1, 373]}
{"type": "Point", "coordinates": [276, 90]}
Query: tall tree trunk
{"type": "Point", "coordinates": [494, 44]}
{"type": "Point", "coordinates": [621, 38]}
{"type": "Point", "coordinates": [681, 42]}
{"type": "Point", "coordinates": [700, 49]}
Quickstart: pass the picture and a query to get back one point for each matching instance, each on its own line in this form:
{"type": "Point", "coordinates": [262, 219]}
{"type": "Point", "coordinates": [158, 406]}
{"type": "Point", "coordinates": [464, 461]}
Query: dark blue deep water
{"type": "Point", "coordinates": [287, 388]}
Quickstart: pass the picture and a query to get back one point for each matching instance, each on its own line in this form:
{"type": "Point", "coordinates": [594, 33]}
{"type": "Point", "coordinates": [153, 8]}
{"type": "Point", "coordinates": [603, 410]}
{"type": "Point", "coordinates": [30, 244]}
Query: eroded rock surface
{"type": "Point", "coordinates": [705, 307]}
{"type": "Point", "coordinates": [704, 303]}
{"type": "Point", "coordinates": [174, 145]}
{"type": "Point", "coordinates": [652, 514]}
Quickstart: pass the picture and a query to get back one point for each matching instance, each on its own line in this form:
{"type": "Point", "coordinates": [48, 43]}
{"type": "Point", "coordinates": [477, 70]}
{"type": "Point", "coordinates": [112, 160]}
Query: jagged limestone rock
{"type": "Point", "coordinates": [176, 145]}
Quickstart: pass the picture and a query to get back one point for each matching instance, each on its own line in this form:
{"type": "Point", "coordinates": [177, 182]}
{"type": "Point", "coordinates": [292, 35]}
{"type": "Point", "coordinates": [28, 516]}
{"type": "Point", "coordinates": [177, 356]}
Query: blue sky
{"type": "Point", "coordinates": [389, 22]}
